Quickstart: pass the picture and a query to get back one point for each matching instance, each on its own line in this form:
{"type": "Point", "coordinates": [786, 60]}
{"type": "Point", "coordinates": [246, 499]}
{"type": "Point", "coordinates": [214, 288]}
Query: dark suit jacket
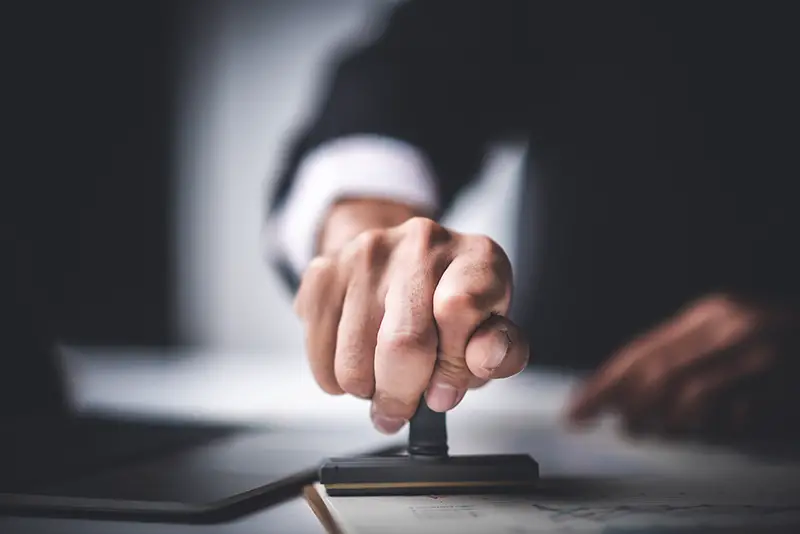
{"type": "Point", "coordinates": [662, 161]}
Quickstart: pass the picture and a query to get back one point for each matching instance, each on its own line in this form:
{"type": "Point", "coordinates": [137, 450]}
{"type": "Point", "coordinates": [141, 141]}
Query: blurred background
{"type": "Point", "coordinates": [251, 72]}
{"type": "Point", "coordinates": [165, 124]}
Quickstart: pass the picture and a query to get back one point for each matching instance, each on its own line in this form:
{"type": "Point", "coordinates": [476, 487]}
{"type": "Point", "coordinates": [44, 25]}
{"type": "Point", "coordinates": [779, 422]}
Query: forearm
{"type": "Point", "coordinates": [349, 217]}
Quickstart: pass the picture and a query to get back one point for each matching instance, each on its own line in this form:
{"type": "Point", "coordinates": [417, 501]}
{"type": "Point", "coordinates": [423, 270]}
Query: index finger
{"type": "Point", "coordinates": [407, 342]}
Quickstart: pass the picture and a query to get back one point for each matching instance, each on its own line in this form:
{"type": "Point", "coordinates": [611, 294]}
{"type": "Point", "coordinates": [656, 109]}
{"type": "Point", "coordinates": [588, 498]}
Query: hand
{"type": "Point", "coordinates": [414, 308]}
{"type": "Point", "coordinates": [717, 367]}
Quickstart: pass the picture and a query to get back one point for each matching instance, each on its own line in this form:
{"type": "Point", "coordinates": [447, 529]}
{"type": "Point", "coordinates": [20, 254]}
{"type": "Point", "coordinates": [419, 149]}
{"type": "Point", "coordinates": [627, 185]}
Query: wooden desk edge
{"type": "Point", "coordinates": [320, 509]}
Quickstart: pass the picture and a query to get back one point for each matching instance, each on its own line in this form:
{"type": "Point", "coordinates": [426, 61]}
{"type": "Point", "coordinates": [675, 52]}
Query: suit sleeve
{"type": "Point", "coordinates": [443, 77]}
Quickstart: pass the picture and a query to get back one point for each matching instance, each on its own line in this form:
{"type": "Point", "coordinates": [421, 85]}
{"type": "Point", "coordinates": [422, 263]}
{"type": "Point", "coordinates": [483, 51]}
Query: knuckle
{"type": "Point", "coordinates": [368, 248]}
{"type": "Point", "coordinates": [456, 305]}
{"type": "Point", "coordinates": [357, 386]}
{"type": "Point", "coordinates": [481, 246]}
{"type": "Point", "coordinates": [319, 263]}
{"type": "Point", "coordinates": [407, 341]}
{"type": "Point", "coordinates": [354, 378]}
{"type": "Point", "coordinates": [370, 239]}
{"type": "Point", "coordinates": [726, 333]}
{"type": "Point", "coordinates": [484, 247]}
{"type": "Point", "coordinates": [454, 372]}
{"type": "Point", "coordinates": [716, 306]}
{"type": "Point", "coordinates": [492, 253]}
{"type": "Point", "coordinates": [653, 377]}
{"type": "Point", "coordinates": [421, 226]}
{"type": "Point", "coordinates": [317, 269]}
{"type": "Point", "coordinates": [492, 292]}
{"type": "Point", "coordinates": [390, 405]}
{"type": "Point", "coordinates": [491, 269]}
{"type": "Point", "coordinates": [423, 231]}
{"type": "Point", "coordinates": [730, 324]}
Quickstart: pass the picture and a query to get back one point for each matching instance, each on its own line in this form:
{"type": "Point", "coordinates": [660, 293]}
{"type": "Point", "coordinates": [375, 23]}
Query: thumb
{"type": "Point", "coordinates": [497, 349]}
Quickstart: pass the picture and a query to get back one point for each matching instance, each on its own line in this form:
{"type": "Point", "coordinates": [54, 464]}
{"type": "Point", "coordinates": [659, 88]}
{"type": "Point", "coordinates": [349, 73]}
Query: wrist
{"type": "Point", "coordinates": [349, 217]}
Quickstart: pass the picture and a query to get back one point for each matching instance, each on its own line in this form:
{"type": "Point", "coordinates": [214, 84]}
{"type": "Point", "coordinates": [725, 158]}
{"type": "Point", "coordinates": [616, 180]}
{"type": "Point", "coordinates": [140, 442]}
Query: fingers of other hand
{"type": "Point", "coordinates": [319, 304]}
{"type": "Point", "coordinates": [637, 367]}
{"type": "Point", "coordinates": [641, 378]}
{"type": "Point", "coordinates": [475, 286]}
{"type": "Point", "coordinates": [698, 398]}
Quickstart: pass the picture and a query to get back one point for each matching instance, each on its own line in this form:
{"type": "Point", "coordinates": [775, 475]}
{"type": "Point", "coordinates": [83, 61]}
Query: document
{"type": "Point", "coordinates": [591, 482]}
{"type": "Point", "coordinates": [573, 505]}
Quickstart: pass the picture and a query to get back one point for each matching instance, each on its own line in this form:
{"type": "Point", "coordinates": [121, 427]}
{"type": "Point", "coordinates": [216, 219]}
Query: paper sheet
{"type": "Point", "coordinates": [641, 505]}
{"type": "Point", "coordinates": [649, 486]}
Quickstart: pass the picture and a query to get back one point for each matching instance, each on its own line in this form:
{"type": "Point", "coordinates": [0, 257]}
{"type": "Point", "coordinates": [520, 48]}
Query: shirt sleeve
{"type": "Point", "coordinates": [354, 166]}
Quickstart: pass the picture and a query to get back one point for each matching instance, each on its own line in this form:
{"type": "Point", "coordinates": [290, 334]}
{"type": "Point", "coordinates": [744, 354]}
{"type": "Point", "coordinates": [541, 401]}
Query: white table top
{"type": "Point", "coordinates": [516, 415]}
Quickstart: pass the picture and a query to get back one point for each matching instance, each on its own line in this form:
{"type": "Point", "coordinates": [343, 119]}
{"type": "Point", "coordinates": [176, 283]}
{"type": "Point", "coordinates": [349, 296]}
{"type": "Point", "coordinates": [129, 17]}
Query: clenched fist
{"type": "Point", "coordinates": [395, 312]}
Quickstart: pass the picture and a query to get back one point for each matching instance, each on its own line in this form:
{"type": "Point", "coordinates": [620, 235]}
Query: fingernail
{"type": "Point", "coordinates": [495, 358]}
{"type": "Point", "coordinates": [441, 397]}
{"type": "Point", "coordinates": [387, 425]}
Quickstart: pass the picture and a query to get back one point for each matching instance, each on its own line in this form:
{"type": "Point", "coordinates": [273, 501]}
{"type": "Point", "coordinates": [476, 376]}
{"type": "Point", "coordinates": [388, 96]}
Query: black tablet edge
{"type": "Point", "coordinates": [228, 509]}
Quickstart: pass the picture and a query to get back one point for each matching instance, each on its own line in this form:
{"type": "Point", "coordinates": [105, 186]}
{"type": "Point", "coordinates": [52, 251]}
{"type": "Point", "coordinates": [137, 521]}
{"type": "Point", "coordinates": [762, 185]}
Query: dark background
{"type": "Point", "coordinates": [142, 139]}
{"type": "Point", "coordinates": [90, 142]}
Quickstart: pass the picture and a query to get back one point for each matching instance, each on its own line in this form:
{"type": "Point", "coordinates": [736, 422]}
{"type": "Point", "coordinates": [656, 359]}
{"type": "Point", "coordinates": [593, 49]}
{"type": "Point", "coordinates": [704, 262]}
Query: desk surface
{"type": "Point", "coordinates": [516, 415]}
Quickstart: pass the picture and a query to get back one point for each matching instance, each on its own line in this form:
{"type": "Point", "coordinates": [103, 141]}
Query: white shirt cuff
{"type": "Point", "coordinates": [353, 166]}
